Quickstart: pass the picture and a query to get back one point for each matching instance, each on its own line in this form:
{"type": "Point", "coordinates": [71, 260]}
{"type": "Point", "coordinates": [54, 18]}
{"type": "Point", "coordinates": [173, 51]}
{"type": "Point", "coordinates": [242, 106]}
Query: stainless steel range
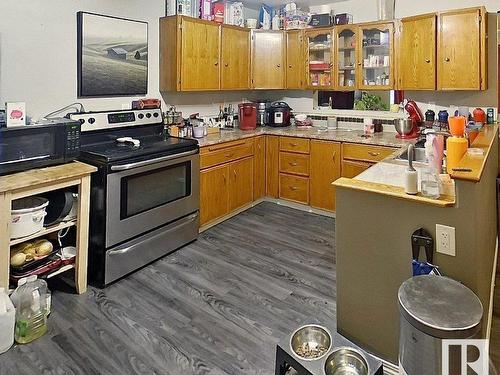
{"type": "Point", "coordinates": [145, 195]}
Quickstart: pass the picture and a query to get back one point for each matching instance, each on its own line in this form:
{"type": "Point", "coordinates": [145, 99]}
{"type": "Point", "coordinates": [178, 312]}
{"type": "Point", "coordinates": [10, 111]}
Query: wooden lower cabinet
{"type": "Point", "coordinates": [272, 166]}
{"type": "Point", "coordinates": [325, 167]}
{"type": "Point", "coordinates": [351, 168]}
{"type": "Point", "coordinates": [240, 183]}
{"type": "Point", "coordinates": [214, 193]}
{"type": "Point", "coordinates": [259, 168]}
{"type": "Point", "coordinates": [294, 188]}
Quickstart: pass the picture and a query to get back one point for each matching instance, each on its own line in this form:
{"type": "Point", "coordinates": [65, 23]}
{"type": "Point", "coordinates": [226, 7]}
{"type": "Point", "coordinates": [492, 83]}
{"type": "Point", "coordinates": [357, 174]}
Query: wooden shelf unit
{"type": "Point", "coordinates": [38, 181]}
{"type": "Point", "coordinates": [43, 232]}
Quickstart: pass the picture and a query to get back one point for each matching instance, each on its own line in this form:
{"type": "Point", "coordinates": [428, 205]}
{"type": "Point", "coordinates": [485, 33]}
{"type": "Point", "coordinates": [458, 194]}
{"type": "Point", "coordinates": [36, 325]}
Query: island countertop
{"type": "Point", "coordinates": [386, 178]}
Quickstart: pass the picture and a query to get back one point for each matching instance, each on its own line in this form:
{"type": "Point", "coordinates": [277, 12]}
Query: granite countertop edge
{"type": "Point", "coordinates": [387, 139]}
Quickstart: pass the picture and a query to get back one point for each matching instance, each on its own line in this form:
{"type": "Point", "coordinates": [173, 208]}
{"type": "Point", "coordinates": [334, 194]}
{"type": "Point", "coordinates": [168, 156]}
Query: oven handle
{"type": "Point", "coordinates": [127, 249]}
{"type": "Point", "coordinates": [125, 167]}
{"type": "Point", "coordinates": [26, 159]}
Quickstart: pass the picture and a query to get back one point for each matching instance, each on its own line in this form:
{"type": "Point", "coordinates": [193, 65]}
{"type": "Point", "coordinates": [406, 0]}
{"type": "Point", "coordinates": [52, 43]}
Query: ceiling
{"type": "Point", "coordinates": [300, 3]}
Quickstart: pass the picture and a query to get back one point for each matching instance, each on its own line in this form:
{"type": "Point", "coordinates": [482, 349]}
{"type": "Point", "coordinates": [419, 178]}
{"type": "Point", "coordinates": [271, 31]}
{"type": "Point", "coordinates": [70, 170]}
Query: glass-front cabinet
{"type": "Point", "coordinates": [346, 38]}
{"type": "Point", "coordinates": [376, 51]}
{"type": "Point", "coordinates": [319, 45]}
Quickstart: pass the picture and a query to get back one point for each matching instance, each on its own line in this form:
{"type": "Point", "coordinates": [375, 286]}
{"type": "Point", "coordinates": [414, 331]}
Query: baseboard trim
{"type": "Point", "coordinates": [492, 293]}
{"type": "Point", "coordinates": [281, 202]}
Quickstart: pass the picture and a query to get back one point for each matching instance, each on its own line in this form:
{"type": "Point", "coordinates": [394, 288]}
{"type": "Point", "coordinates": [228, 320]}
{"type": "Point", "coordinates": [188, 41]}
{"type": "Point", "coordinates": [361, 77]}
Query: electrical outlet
{"type": "Point", "coordinates": [445, 237]}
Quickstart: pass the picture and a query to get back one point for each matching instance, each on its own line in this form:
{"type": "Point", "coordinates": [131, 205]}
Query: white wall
{"type": "Point", "coordinates": [38, 50]}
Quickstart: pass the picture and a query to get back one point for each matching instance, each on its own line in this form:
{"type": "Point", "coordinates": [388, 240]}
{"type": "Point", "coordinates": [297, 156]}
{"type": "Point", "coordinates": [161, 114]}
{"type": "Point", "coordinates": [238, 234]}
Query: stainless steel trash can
{"type": "Point", "coordinates": [433, 308]}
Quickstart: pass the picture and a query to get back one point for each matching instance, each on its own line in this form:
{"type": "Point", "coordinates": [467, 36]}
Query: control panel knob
{"type": "Point", "coordinates": [155, 114]}
{"type": "Point", "coordinates": [91, 120]}
{"type": "Point", "coordinates": [140, 115]}
{"type": "Point", "coordinates": [81, 121]}
{"type": "Point", "coordinates": [148, 115]}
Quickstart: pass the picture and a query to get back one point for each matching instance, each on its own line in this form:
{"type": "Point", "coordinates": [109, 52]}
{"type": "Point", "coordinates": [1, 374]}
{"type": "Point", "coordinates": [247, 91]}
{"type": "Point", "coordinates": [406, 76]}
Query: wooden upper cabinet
{"type": "Point", "coordinates": [461, 50]}
{"type": "Point", "coordinates": [235, 69]}
{"type": "Point", "coordinates": [417, 53]}
{"type": "Point", "coordinates": [268, 59]}
{"type": "Point", "coordinates": [200, 55]}
{"type": "Point", "coordinates": [346, 55]}
{"type": "Point", "coordinates": [319, 54]}
{"type": "Point", "coordinates": [294, 59]}
{"type": "Point", "coordinates": [376, 56]}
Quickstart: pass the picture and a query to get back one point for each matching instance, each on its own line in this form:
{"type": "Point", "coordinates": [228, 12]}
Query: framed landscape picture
{"type": "Point", "coordinates": [112, 56]}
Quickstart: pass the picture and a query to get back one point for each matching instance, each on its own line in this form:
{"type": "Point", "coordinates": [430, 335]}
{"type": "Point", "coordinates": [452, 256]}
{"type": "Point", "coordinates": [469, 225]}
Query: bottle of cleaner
{"type": "Point", "coordinates": [7, 321]}
{"type": "Point", "coordinates": [31, 312]}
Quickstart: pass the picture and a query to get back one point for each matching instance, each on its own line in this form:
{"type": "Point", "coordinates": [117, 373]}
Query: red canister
{"type": "Point", "coordinates": [479, 116]}
{"type": "Point", "coordinates": [247, 116]}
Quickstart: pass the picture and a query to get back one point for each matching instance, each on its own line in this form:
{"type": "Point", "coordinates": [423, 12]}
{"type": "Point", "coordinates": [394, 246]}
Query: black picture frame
{"type": "Point", "coordinates": [132, 87]}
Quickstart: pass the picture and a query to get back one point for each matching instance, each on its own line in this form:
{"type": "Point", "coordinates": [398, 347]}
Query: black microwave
{"type": "Point", "coordinates": [33, 146]}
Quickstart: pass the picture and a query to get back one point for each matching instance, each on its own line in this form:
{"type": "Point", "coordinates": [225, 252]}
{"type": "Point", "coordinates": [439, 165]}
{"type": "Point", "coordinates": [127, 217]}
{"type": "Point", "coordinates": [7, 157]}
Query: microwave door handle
{"type": "Point", "coordinates": [125, 167]}
{"type": "Point", "coordinates": [25, 159]}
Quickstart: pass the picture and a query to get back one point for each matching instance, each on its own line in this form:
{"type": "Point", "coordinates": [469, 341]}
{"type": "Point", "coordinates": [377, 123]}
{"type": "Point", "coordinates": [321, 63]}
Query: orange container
{"type": "Point", "coordinates": [455, 150]}
{"type": "Point", "coordinates": [457, 125]}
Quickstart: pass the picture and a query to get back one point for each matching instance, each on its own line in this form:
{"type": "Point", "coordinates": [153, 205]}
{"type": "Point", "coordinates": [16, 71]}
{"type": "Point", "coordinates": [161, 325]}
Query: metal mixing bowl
{"type": "Point", "coordinates": [403, 126]}
{"type": "Point", "coordinates": [312, 336]}
{"type": "Point", "coordinates": [346, 361]}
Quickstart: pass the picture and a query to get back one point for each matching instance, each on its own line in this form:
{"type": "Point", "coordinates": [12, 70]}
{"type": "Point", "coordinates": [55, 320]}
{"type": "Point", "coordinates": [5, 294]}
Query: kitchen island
{"type": "Point", "coordinates": [374, 222]}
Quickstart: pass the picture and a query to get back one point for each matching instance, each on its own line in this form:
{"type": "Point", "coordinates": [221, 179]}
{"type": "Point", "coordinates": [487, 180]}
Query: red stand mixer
{"type": "Point", "coordinates": [416, 118]}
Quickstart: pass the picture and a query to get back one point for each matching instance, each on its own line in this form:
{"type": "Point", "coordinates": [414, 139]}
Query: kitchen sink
{"type": "Point", "coordinates": [418, 155]}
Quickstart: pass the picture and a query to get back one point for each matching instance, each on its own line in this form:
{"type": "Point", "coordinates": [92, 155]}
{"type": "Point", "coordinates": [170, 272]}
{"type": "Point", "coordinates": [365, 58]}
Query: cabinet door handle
{"type": "Point", "coordinates": [293, 164]}
{"type": "Point", "coordinates": [294, 188]}
{"type": "Point", "coordinates": [226, 65]}
{"type": "Point", "coordinates": [373, 153]}
{"type": "Point", "coordinates": [234, 172]}
{"type": "Point", "coordinates": [224, 176]}
{"type": "Point", "coordinates": [427, 61]}
{"type": "Point", "coordinates": [359, 64]}
{"type": "Point", "coordinates": [447, 59]}
{"type": "Point", "coordinates": [229, 155]}
{"type": "Point", "coordinates": [279, 65]}
{"type": "Point", "coordinates": [216, 63]}
{"type": "Point", "coordinates": [293, 144]}
{"type": "Point", "coordinates": [290, 66]}
{"type": "Point", "coordinates": [333, 155]}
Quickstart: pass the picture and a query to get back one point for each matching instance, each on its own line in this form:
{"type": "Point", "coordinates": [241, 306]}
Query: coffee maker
{"type": "Point", "coordinates": [262, 112]}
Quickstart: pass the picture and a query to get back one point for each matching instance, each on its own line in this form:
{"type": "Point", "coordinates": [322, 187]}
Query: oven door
{"type": "Point", "coordinates": [145, 195]}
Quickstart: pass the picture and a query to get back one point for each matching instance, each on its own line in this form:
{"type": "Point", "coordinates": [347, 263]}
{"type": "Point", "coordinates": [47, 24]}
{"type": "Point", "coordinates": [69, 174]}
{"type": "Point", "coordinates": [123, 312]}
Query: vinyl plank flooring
{"type": "Point", "coordinates": [215, 307]}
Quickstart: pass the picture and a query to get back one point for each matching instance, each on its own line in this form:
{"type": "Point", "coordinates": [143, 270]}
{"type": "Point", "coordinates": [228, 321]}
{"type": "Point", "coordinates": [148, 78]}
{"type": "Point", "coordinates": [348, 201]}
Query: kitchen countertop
{"type": "Point", "coordinates": [387, 139]}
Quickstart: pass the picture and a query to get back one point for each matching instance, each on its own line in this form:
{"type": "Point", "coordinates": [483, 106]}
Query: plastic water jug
{"type": "Point", "coordinates": [7, 321]}
{"type": "Point", "coordinates": [31, 311]}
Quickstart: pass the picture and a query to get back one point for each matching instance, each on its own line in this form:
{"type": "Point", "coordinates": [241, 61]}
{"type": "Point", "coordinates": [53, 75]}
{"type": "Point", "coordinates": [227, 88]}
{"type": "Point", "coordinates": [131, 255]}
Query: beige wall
{"type": "Point", "coordinates": [373, 251]}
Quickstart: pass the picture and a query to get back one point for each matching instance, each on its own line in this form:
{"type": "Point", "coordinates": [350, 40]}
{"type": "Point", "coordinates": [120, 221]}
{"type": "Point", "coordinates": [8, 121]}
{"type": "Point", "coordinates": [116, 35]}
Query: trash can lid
{"type": "Point", "coordinates": [440, 306]}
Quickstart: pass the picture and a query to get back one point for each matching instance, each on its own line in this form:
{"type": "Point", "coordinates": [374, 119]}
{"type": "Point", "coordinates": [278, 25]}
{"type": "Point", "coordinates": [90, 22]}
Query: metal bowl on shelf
{"type": "Point", "coordinates": [311, 342]}
{"type": "Point", "coordinates": [403, 126]}
{"type": "Point", "coordinates": [346, 361]}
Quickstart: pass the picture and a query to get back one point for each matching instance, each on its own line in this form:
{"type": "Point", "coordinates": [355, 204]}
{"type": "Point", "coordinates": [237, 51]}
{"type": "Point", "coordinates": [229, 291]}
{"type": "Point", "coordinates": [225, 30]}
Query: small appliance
{"type": "Point", "coordinates": [320, 20]}
{"type": "Point", "coordinates": [262, 115]}
{"type": "Point", "coordinates": [406, 128]}
{"type": "Point", "coordinates": [247, 116]}
{"type": "Point", "coordinates": [279, 114]}
{"type": "Point", "coordinates": [50, 142]}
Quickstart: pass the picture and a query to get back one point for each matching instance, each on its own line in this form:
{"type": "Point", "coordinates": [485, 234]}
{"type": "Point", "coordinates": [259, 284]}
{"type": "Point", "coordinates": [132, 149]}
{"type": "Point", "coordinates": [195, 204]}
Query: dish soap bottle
{"type": "Point", "coordinates": [31, 312]}
{"type": "Point", "coordinates": [411, 175]}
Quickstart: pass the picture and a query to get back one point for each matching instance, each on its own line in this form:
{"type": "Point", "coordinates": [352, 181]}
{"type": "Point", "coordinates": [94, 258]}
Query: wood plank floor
{"type": "Point", "coordinates": [217, 306]}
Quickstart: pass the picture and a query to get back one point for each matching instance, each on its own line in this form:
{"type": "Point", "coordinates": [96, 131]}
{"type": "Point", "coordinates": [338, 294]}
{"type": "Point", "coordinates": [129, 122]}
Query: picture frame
{"type": "Point", "coordinates": [112, 56]}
